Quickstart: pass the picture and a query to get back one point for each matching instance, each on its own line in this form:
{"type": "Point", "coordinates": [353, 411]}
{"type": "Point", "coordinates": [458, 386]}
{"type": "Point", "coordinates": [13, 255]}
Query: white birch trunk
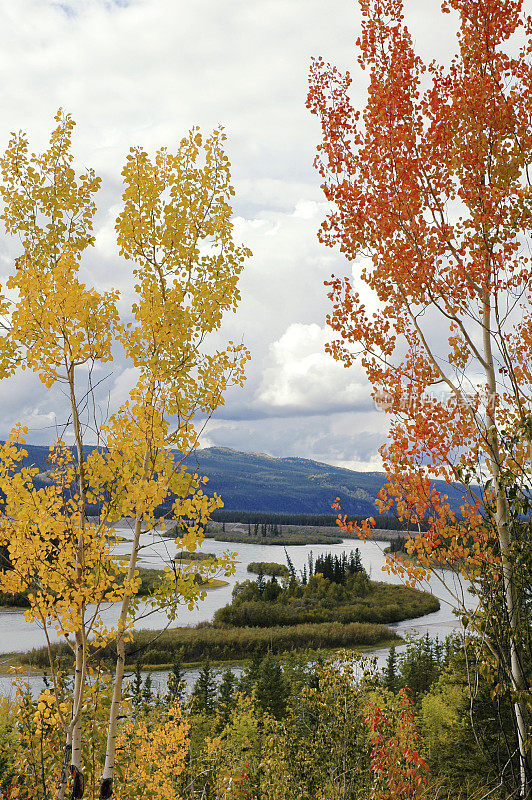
{"type": "Point", "coordinates": [106, 783]}
{"type": "Point", "coordinates": [73, 743]}
{"type": "Point", "coordinates": [503, 533]}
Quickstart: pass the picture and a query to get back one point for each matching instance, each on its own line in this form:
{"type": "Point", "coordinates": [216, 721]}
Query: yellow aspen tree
{"type": "Point", "coordinates": [60, 326]}
{"type": "Point", "coordinates": [156, 757]}
{"type": "Point", "coordinates": [176, 227]}
{"type": "Point", "coordinates": [180, 236]}
{"type": "Point", "coordinates": [67, 571]}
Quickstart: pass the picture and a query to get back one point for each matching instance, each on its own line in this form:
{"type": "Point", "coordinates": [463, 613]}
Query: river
{"type": "Point", "coordinates": [16, 634]}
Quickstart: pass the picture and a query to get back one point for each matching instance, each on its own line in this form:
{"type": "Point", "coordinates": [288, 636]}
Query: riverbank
{"type": "Point", "coordinates": [158, 649]}
{"type": "Point", "coordinates": [148, 578]}
{"type": "Point", "coordinates": [290, 534]}
{"type": "Point", "coordinates": [279, 535]}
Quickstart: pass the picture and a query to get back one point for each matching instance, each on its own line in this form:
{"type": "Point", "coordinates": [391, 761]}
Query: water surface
{"type": "Point", "coordinates": [16, 634]}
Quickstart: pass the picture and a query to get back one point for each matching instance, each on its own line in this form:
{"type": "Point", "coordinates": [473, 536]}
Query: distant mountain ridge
{"type": "Point", "coordinates": [291, 485]}
{"type": "Point", "coordinates": [258, 482]}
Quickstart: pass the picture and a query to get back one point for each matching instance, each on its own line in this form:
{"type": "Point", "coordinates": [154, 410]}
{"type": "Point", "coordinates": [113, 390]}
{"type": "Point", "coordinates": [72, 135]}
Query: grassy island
{"type": "Point", "coordinates": [270, 534]}
{"type": "Point", "coordinates": [331, 589]}
{"type": "Point", "coordinates": [197, 555]}
{"type": "Point", "coordinates": [158, 649]}
{"type": "Point", "coordinates": [264, 533]}
{"type": "Point", "coordinates": [148, 579]}
{"type": "Point", "coordinates": [237, 643]}
{"type": "Point", "coordinates": [150, 576]}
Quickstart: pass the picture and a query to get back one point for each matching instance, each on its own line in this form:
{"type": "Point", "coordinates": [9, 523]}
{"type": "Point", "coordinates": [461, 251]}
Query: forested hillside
{"type": "Point", "coordinates": [258, 482]}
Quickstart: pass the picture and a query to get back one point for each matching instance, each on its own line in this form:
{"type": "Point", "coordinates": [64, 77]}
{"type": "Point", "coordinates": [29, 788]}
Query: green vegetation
{"type": "Point", "coordinates": [332, 604]}
{"type": "Point", "coordinates": [344, 609]}
{"type": "Point", "coordinates": [203, 696]}
{"type": "Point", "coordinates": [298, 725]}
{"type": "Point", "coordinates": [383, 522]}
{"type": "Point", "coordinates": [320, 601]}
{"type": "Point", "coordinates": [190, 645]}
{"type": "Point", "coordinates": [197, 555]}
{"type": "Point", "coordinates": [329, 589]}
{"type": "Point", "coordinates": [285, 536]}
{"type": "Point", "coordinates": [397, 546]}
{"type": "Point", "coordinates": [148, 578]}
{"type": "Point", "coordinates": [268, 568]}
{"type": "Point", "coordinates": [18, 600]}
{"type": "Point", "coordinates": [259, 533]}
{"type": "Point", "coordinates": [223, 644]}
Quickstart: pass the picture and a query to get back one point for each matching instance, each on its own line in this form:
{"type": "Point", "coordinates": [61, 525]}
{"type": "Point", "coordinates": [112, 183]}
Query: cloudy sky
{"type": "Point", "coordinates": [142, 72]}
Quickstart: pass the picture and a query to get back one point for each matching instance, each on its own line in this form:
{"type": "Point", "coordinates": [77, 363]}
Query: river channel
{"type": "Point", "coordinates": [16, 634]}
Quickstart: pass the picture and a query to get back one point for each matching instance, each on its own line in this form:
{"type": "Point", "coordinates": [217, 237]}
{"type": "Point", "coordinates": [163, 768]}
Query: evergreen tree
{"type": "Point", "coordinates": [136, 686]}
{"type": "Point", "coordinates": [271, 590]}
{"type": "Point", "coordinates": [261, 583]}
{"type": "Point", "coordinates": [337, 568]}
{"type": "Point", "coordinates": [204, 692]}
{"type": "Point", "coordinates": [272, 688]}
{"type": "Point", "coordinates": [357, 561]}
{"type": "Point", "coordinates": [291, 568]}
{"type": "Point", "coordinates": [390, 678]}
{"type": "Point", "coordinates": [226, 696]}
{"type": "Point", "coordinates": [250, 675]}
{"type": "Point", "coordinates": [419, 668]}
{"type": "Point", "coordinates": [147, 692]}
{"type": "Point", "coordinates": [438, 653]}
{"type": "Point", "coordinates": [176, 682]}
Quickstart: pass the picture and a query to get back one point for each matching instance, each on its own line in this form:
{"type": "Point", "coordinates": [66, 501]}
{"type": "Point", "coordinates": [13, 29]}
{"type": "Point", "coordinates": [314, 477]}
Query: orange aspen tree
{"type": "Point", "coordinates": [397, 769]}
{"type": "Point", "coordinates": [176, 224]}
{"type": "Point", "coordinates": [431, 201]}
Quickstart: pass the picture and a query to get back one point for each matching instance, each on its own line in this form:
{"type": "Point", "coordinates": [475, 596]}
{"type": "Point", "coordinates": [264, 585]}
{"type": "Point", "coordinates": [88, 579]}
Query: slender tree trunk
{"type": "Point", "coordinates": [106, 783]}
{"type": "Point", "coordinates": [79, 448]}
{"type": "Point", "coordinates": [64, 770]}
{"type": "Point", "coordinates": [73, 741]}
{"type": "Point", "coordinates": [502, 522]}
{"type": "Point", "coordinates": [79, 685]}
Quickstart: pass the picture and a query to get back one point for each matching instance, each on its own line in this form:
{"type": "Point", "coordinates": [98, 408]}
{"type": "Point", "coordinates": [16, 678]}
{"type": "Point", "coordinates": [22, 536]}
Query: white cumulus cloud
{"type": "Point", "coordinates": [302, 377]}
